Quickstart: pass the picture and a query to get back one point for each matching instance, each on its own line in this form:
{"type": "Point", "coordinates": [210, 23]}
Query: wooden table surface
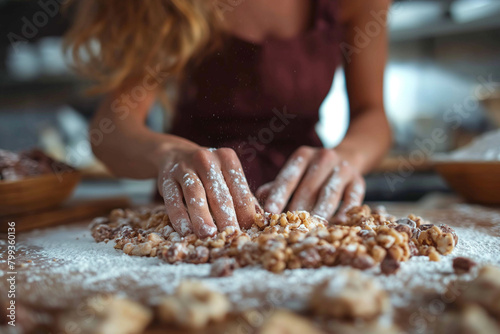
{"type": "Point", "coordinates": [52, 293]}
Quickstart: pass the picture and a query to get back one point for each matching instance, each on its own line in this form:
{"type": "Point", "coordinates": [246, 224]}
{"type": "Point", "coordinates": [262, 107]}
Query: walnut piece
{"type": "Point", "coordinates": [282, 321]}
{"type": "Point", "coordinates": [193, 306]}
{"type": "Point", "coordinates": [443, 242]}
{"type": "Point", "coordinates": [223, 267]}
{"type": "Point", "coordinates": [484, 290]}
{"type": "Point", "coordinates": [462, 265]}
{"type": "Point", "coordinates": [113, 315]}
{"type": "Point", "coordinates": [389, 265]}
{"type": "Point", "coordinates": [349, 295]}
{"type": "Point", "coordinates": [468, 319]}
{"type": "Point", "coordinates": [475, 306]}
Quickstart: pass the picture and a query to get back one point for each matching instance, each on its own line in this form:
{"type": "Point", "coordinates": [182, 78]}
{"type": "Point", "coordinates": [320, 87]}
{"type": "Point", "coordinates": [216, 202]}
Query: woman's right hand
{"type": "Point", "coordinates": [205, 190]}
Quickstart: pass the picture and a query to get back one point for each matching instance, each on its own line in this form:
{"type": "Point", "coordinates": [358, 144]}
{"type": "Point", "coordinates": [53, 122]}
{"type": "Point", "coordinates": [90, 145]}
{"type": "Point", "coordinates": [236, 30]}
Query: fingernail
{"type": "Point", "coordinates": [184, 226]}
{"type": "Point", "coordinates": [207, 231]}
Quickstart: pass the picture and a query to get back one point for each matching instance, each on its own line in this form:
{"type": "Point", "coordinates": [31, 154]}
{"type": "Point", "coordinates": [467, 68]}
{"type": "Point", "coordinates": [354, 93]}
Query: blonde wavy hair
{"type": "Point", "coordinates": [114, 41]}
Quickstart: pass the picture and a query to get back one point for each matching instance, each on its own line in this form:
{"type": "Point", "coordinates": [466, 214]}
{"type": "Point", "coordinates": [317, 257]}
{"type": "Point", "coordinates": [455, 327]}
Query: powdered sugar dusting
{"type": "Point", "coordinates": [199, 201]}
{"type": "Point", "coordinates": [83, 267]}
{"type": "Point", "coordinates": [171, 193]}
{"type": "Point", "coordinates": [239, 181]}
{"type": "Point", "coordinates": [184, 225]}
{"type": "Point", "coordinates": [273, 207]}
{"type": "Point", "coordinates": [357, 190]}
{"type": "Point", "coordinates": [277, 197]}
{"type": "Point", "coordinates": [325, 206]}
{"type": "Point", "coordinates": [222, 196]}
{"type": "Point", "coordinates": [238, 178]}
{"type": "Point", "coordinates": [188, 179]}
{"type": "Point", "coordinates": [205, 228]}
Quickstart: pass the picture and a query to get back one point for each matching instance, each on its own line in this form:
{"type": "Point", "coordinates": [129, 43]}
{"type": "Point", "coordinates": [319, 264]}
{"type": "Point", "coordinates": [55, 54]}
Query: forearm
{"type": "Point", "coordinates": [132, 150]}
{"type": "Point", "coordinates": [367, 140]}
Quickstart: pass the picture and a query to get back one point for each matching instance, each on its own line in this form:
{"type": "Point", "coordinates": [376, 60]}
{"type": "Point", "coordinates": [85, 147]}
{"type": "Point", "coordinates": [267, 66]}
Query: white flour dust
{"type": "Point", "coordinates": [325, 206]}
{"type": "Point", "coordinates": [290, 172]}
{"type": "Point", "coordinates": [221, 195]}
{"type": "Point", "coordinates": [67, 262]}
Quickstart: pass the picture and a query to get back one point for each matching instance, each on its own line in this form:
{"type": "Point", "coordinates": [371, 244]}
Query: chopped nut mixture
{"type": "Point", "coordinates": [286, 241]}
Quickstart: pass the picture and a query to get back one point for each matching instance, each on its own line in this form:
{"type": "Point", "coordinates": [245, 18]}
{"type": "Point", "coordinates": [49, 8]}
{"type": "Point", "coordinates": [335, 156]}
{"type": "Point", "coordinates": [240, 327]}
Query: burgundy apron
{"type": "Point", "coordinates": [262, 100]}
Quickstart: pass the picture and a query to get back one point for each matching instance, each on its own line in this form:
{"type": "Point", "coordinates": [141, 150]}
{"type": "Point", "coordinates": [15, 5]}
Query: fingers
{"type": "Point", "coordinates": [287, 180]}
{"type": "Point", "coordinates": [263, 192]}
{"type": "Point", "coordinates": [353, 196]}
{"type": "Point", "coordinates": [243, 200]}
{"type": "Point", "coordinates": [329, 196]}
{"type": "Point", "coordinates": [196, 202]}
{"type": "Point", "coordinates": [176, 211]}
{"type": "Point", "coordinates": [208, 191]}
{"type": "Point", "coordinates": [307, 192]}
{"type": "Point", "coordinates": [217, 191]}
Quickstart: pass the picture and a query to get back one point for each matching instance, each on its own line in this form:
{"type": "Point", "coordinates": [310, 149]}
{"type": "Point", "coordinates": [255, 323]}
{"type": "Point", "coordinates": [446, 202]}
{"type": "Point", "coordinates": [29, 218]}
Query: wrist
{"type": "Point", "coordinates": [168, 150]}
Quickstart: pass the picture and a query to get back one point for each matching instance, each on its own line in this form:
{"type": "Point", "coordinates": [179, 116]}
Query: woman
{"type": "Point", "coordinates": [250, 78]}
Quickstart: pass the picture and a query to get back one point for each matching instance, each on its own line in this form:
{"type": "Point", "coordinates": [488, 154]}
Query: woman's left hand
{"type": "Point", "coordinates": [315, 180]}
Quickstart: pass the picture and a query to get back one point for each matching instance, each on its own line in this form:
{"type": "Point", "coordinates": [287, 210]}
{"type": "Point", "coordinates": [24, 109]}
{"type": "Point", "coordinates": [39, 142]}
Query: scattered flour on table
{"type": "Point", "coordinates": [72, 265]}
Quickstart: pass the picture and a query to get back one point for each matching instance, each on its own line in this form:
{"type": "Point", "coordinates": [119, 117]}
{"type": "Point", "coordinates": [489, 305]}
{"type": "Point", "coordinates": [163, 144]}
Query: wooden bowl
{"type": "Point", "coordinates": [37, 192]}
{"type": "Point", "coordinates": [477, 182]}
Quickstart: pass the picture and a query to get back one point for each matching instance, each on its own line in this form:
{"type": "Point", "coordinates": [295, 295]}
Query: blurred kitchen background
{"type": "Point", "coordinates": [443, 72]}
